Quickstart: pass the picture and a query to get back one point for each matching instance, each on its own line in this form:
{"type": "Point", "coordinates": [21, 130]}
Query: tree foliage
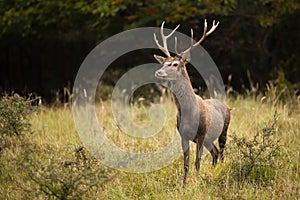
{"type": "Point", "coordinates": [261, 36]}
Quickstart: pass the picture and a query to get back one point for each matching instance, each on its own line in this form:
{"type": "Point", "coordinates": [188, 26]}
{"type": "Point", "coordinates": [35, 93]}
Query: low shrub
{"type": "Point", "coordinates": [71, 174]}
{"type": "Point", "coordinates": [14, 112]}
{"type": "Point", "coordinates": [256, 159]}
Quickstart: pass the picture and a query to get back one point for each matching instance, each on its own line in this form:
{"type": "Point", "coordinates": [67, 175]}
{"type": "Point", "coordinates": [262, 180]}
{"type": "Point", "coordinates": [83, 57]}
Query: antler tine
{"type": "Point", "coordinates": [192, 41]}
{"type": "Point", "coordinates": [164, 37]}
{"type": "Point", "coordinates": [192, 36]}
{"type": "Point", "coordinates": [213, 28]}
{"type": "Point", "coordinates": [176, 51]}
{"type": "Point", "coordinates": [205, 34]}
{"type": "Point", "coordinates": [164, 49]}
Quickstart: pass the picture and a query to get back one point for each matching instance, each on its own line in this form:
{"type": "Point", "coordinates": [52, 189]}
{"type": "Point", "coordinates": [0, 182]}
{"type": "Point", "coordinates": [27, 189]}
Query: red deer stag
{"type": "Point", "coordinates": [198, 120]}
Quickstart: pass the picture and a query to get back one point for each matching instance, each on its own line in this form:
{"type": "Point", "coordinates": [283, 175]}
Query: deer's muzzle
{"type": "Point", "coordinates": [160, 74]}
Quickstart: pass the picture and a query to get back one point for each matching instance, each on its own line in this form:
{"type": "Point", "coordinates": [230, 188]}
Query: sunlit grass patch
{"type": "Point", "coordinates": [53, 138]}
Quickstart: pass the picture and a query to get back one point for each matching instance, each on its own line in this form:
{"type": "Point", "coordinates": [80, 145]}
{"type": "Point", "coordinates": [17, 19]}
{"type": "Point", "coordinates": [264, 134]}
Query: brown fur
{"type": "Point", "coordinates": [213, 114]}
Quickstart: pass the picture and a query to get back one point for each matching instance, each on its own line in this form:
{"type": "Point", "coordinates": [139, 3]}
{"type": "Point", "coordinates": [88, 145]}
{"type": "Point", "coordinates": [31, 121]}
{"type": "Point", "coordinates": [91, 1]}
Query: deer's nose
{"type": "Point", "coordinates": [160, 73]}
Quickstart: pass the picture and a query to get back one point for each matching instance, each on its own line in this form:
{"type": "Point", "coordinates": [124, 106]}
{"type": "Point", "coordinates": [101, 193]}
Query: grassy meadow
{"type": "Point", "coordinates": [48, 160]}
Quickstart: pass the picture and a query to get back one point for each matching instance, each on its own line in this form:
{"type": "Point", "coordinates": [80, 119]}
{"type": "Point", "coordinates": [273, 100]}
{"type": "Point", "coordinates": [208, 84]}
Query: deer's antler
{"type": "Point", "coordinates": [205, 34]}
{"type": "Point", "coordinates": [164, 38]}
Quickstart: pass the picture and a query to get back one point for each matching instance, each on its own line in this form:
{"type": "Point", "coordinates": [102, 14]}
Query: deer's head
{"type": "Point", "coordinates": [174, 66]}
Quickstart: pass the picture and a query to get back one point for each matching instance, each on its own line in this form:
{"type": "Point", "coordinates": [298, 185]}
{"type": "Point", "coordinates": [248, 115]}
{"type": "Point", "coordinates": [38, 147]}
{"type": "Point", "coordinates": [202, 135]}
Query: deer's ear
{"type": "Point", "coordinates": [159, 59]}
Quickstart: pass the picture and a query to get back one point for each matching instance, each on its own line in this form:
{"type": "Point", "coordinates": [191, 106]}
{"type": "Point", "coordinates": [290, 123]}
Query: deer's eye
{"type": "Point", "coordinates": [175, 64]}
{"type": "Point", "coordinates": [169, 64]}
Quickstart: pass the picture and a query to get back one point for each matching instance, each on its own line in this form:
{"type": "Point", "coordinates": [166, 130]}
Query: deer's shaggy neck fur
{"type": "Point", "coordinates": [190, 106]}
{"type": "Point", "coordinates": [182, 89]}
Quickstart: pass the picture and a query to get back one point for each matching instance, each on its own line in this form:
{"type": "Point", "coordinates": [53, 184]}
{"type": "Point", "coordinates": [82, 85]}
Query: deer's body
{"type": "Point", "coordinates": [198, 120]}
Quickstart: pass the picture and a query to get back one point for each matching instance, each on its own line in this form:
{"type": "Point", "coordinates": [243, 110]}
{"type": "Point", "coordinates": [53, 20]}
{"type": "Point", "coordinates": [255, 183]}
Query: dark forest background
{"type": "Point", "coordinates": [43, 43]}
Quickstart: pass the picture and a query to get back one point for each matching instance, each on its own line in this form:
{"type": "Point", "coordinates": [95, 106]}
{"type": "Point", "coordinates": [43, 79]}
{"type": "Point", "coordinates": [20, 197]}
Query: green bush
{"type": "Point", "coordinates": [59, 174]}
{"type": "Point", "coordinates": [256, 159]}
{"type": "Point", "coordinates": [14, 112]}
{"type": "Point", "coordinates": [30, 170]}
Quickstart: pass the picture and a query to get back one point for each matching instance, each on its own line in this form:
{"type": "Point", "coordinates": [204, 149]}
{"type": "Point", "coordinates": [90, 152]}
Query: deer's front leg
{"type": "Point", "coordinates": [199, 151]}
{"type": "Point", "coordinates": [186, 156]}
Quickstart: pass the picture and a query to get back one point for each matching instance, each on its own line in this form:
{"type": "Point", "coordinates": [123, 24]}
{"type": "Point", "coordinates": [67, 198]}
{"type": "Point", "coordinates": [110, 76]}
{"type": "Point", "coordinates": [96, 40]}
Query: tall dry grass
{"type": "Point", "coordinates": [54, 140]}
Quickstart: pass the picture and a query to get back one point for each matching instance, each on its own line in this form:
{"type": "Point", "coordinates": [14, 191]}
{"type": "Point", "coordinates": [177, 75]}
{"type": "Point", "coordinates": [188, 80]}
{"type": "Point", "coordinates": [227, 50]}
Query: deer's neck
{"type": "Point", "coordinates": [183, 93]}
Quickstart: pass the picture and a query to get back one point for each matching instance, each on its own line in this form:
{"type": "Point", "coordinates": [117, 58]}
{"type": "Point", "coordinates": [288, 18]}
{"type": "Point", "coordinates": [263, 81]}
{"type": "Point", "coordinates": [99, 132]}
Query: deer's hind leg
{"type": "Point", "coordinates": [222, 143]}
{"type": "Point", "coordinates": [214, 152]}
{"type": "Point", "coordinates": [223, 136]}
